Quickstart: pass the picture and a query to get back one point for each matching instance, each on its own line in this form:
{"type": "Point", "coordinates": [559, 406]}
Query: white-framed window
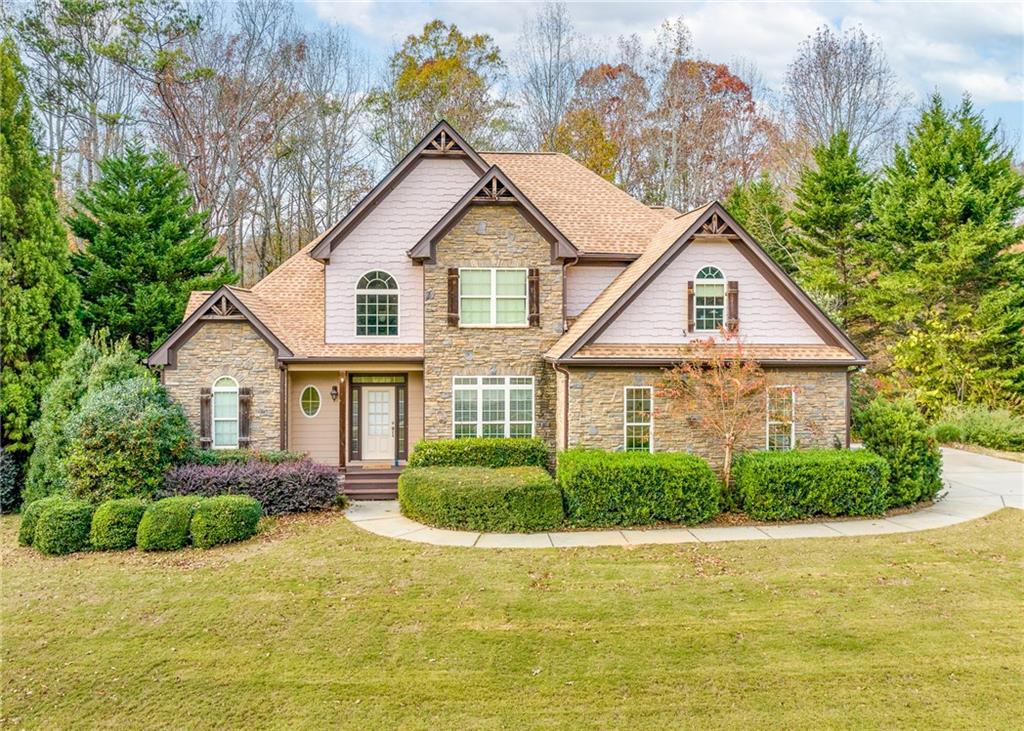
{"type": "Point", "coordinates": [492, 406]}
{"type": "Point", "coordinates": [493, 297]}
{"type": "Point", "coordinates": [638, 418]}
{"type": "Point", "coordinates": [224, 413]}
{"type": "Point", "coordinates": [709, 299]}
{"type": "Point", "coordinates": [377, 305]}
{"type": "Point", "coordinates": [309, 401]}
{"type": "Point", "coordinates": [781, 418]}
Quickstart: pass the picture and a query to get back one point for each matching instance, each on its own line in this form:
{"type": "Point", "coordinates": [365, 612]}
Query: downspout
{"type": "Point", "coordinates": [565, 402]}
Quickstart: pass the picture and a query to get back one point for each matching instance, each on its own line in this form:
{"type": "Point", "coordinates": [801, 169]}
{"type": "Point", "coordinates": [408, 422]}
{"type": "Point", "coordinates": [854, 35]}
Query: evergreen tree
{"type": "Point", "coordinates": [831, 212]}
{"type": "Point", "coordinates": [145, 248]}
{"type": "Point", "coordinates": [38, 309]}
{"type": "Point", "coordinates": [760, 209]}
{"type": "Point", "coordinates": [950, 281]}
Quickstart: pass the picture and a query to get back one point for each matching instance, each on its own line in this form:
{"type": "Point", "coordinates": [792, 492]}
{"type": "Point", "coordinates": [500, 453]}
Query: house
{"type": "Point", "coordinates": [498, 294]}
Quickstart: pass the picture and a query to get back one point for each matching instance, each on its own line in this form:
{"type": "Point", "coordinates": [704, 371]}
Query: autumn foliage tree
{"type": "Point", "coordinates": [720, 386]}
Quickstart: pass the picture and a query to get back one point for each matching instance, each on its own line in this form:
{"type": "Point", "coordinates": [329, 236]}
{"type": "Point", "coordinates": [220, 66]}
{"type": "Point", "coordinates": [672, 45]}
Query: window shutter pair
{"type": "Point", "coordinates": [732, 306]}
{"type": "Point", "coordinates": [533, 297]}
{"type": "Point", "coordinates": [206, 418]}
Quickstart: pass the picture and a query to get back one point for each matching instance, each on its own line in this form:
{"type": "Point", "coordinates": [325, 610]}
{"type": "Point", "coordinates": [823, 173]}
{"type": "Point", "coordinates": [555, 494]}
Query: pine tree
{"type": "Point", "coordinates": [951, 280]}
{"type": "Point", "coordinates": [38, 310]}
{"type": "Point", "coordinates": [831, 212]}
{"type": "Point", "coordinates": [760, 209]}
{"type": "Point", "coordinates": [145, 248]}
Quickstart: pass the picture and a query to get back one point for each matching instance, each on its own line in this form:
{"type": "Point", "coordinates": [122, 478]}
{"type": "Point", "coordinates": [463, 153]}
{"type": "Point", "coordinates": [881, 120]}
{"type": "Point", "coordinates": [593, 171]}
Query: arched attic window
{"type": "Point", "coordinates": [709, 299]}
{"type": "Point", "coordinates": [377, 305]}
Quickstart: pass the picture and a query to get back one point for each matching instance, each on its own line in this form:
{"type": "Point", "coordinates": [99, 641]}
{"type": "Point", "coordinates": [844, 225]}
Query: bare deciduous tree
{"type": "Point", "coordinates": [845, 83]}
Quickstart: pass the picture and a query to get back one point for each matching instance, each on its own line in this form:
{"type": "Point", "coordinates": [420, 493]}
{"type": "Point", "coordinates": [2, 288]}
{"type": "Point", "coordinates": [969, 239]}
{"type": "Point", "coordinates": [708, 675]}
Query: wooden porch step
{"type": "Point", "coordinates": [361, 483]}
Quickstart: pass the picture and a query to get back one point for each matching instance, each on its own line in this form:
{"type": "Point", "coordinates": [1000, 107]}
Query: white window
{"type": "Point", "coordinates": [709, 299]}
{"type": "Point", "coordinates": [377, 305]}
{"type": "Point", "coordinates": [310, 401]}
{"type": "Point", "coordinates": [492, 406]}
{"type": "Point", "coordinates": [781, 429]}
{"type": "Point", "coordinates": [225, 413]}
{"type": "Point", "coordinates": [493, 297]}
{"type": "Point", "coordinates": [639, 418]}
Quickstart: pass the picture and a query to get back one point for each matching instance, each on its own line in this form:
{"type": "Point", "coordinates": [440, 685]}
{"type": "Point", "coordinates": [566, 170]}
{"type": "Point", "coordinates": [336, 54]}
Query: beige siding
{"type": "Point", "coordinates": [415, 409]}
{"type": "Point", "coordinates": [318, 436]}
{"type": "Point", "coordinates": [584, 282]}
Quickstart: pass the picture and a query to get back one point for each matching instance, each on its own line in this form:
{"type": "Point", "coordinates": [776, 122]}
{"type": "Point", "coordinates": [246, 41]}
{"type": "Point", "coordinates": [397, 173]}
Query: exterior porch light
{"type": "Point", "coordinates": [334, 392]}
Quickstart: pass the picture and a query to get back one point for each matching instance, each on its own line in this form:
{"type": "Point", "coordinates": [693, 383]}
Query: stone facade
{"type": "Point", "coordinates": [235, 349]}
{"type": "Point", "coordinates": [596, 411]}
{"type": "Point", "coordinates": [489, 236]}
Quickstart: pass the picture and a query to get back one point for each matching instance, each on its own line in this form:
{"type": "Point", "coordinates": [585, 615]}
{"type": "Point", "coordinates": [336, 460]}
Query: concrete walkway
{"type": "Point", "coordinates": [976, 485]}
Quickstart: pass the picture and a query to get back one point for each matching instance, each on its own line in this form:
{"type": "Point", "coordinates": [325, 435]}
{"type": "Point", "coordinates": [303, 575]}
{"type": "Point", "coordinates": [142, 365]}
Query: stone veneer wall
{"type": "Point", "coordinates": [596, 411]}
{"type": "Point", "coordinates": [489, 236]}
{"type": "Point", "coordinates": [230, 349]}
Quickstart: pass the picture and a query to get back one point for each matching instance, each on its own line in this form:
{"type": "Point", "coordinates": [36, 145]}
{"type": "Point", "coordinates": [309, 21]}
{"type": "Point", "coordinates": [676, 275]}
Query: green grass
{"type": "Point", "coordinates": [318, 624]}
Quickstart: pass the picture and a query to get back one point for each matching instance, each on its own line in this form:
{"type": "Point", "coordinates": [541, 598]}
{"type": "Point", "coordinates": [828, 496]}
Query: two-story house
{"type": "Point", "coordinates": [498, 294]}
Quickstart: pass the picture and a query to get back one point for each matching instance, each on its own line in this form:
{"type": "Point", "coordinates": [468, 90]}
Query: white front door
{"type": "Point", "coordinates": [379, 423]}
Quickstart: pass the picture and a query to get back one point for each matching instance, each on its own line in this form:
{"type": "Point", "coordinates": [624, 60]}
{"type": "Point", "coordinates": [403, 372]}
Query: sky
{"type": "Point", "coordinates": [951, 47]}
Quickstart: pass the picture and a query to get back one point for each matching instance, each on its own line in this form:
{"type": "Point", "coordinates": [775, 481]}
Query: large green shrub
{"type": "Point", "coordinates": [802, 483]}
{"type": "Point", "coordinates": [898, 432]}
{"type": "Point", "coordinates": [165, 524]}
{"type": "Point", "coordinates": [480, 452]}
{"type": "Point", "coordinates": [30, 514]}
{"type": "Point", "coordinates": [992, 428]}
{"type": "Point", "coordinates": [636, 488]}
{"type": "Point", "coordinates": [224, 519]}
{"type": "Point", "coordinates": [123, 440]}
{"type": "Point", "coordinates": [115, 524]}
{"type": "Point", "coordinates": [63, 527]}
{"type": "Point", "coordinates": [244, 456]}
{"type": "Point", "coordinates": [505, 499]}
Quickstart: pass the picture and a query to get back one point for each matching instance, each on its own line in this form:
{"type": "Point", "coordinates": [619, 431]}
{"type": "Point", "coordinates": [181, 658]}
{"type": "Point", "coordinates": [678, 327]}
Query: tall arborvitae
{"type": "Point", "coordinates": [831, 212]}
{"type": "Point", "coordinates": [144, 249]}
{"type": "Point", "coordinates": [760, 209]}
{"type": "Point", "coordinates": [949, 297]}
{"type": "Point", "coordinates": [38, 308]}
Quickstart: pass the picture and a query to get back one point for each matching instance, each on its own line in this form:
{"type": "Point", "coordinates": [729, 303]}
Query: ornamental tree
{"type": "Point", "coordinates": [723, 389]}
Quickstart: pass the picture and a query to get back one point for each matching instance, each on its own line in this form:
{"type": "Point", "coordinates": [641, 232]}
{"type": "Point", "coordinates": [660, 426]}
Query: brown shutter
{"type": "Point", "coordinates": [534, 299]}
{"type": "Point", "coordinates": [244, 416]}
{"type": "Point", "coordinates": [689, 307]}
{"type": "Point", "coordinates": [732, 310]}
{"type": "Point", "coordinates": [205, 432]}
{"type": "Point", "coordinates": [453, 297]}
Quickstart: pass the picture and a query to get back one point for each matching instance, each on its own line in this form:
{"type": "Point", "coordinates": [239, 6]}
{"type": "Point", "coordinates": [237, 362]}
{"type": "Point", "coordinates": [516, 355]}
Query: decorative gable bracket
{"type": "Point", "coordinates": [716, 225]}
{"type": "Point", "coordinates": [223, 309]}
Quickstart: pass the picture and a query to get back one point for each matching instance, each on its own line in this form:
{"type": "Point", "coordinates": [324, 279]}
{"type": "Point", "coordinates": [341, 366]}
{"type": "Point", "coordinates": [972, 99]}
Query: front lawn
{"type": "Point", "coordinates": [319, 624]}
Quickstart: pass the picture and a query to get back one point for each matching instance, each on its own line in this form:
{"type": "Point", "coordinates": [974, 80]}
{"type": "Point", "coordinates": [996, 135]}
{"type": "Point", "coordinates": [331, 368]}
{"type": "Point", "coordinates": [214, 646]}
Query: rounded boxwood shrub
{"type": "Point", "coordinates": [897, 432]}
{"type": "Point", "coordinates": [636, 488]}
{"type": "Point", "coordinates": [224, 519]}
{"type": "Point", "coordinates": [480, 452]}
{"type": "Point", "coordinates": [115, 524]}
{"type": "Point", "coordinates": [504, 500]}
{"type": "Point", "coordinates": [165, 524]}
{"type": "Point", "coordinates": [123, 439]}
{"type": "Point", "coordinates": [31, 513]}
{"type": "Point", "coordinates": [802, 483]}
{"type": "Point", "coordinates": [63, 527]}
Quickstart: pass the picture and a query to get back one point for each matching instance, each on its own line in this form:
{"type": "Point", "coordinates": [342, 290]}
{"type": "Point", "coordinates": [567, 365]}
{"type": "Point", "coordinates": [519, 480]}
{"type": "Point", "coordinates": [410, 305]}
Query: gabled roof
{"type": "Point", "coordinates": [441, 141]}
{"type": "Point", "coordinates": [601, 220]}
{"type": "Point", "coordinates": [226, 303]}
{"type": "Point", "coordinates": [673, 237]}
{"type": "Point", "coordinates": [493, 187]}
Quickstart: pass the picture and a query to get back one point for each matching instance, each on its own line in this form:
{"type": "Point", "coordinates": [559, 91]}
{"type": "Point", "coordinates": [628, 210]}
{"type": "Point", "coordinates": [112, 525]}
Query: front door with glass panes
{"type": "Point", "coordinates": [379, 423]}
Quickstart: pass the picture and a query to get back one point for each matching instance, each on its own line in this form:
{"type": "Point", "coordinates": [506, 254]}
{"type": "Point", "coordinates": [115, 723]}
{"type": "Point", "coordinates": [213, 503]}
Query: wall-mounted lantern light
{"type": "Point", "coordinates": [334, 392]}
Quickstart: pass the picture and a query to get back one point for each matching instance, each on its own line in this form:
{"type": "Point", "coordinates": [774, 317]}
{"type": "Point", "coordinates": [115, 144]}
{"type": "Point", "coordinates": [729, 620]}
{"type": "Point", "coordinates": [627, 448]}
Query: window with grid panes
{"type": "Point", "coordinates": [377, 305]}
{"type": "Point", "coordinates": [639, 418]}
{"type": "Point", "coordinates": [492, 406]}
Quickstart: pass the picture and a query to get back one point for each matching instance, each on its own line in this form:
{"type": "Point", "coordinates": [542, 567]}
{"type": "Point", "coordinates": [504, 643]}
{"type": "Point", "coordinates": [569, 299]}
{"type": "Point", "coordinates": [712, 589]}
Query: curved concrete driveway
{"type": "Point", "coordinates": [976, 485]}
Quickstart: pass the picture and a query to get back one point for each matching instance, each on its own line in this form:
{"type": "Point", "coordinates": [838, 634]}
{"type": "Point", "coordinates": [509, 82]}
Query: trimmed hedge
{"type": "Point", "coordinates": [802, 483]}
{"type": "Point", "coordinates": [224, 519]}
{"type": "Point", "coordinates": [116, 523]}
{"type": "Point", "coordinates": [898, 432]}
{"type": "Point", "coordinates": [63, 527]}
{"type": "Point", "coordinates": [244, 456]}
{"type": "Point", "coordinates": [288, 487]}
{"type": "Point", "coordinates": [480, 452]}
{"type": "Point", "coordinates": [504, 500]}
{"type": "Point", "coordinates": [31, 513]}
{"type": "Point", "coordinates": [636, 488]}
{"type": "Point", "coordinates": [165, 524]}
